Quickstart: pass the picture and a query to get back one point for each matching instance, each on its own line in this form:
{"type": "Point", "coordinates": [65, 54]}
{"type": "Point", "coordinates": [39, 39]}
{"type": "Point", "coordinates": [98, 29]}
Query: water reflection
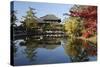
{"type": "Point", "coordinates": [42, 50]}
{"type": "Point", "coordinates": [79, 50]}
{"type": "Point", "coordinates": [32, 44]}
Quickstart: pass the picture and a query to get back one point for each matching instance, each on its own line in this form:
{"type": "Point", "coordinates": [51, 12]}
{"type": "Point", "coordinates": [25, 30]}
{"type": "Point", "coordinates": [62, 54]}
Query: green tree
{"type": "Point", "coordinates": [13, 18]}
{"type": "Point", "coordinates": [30, 20]}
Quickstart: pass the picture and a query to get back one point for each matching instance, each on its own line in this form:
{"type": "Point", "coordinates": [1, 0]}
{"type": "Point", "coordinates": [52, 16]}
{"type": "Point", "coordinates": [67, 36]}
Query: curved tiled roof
{"type": "Point", "coordinates": [50, 17]}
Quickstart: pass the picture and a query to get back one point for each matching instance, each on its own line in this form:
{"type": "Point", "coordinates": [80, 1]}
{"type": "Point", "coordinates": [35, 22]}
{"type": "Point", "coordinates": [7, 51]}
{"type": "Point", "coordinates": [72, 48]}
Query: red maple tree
{"type": "Point", "coordinates": [89, 15]}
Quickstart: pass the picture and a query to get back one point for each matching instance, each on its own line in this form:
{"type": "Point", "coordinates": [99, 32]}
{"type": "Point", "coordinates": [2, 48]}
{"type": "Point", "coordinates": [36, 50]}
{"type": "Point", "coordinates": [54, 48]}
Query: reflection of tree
{"type": "Point", "coordinates": [30, 50]}
{"type": "Point", "coordinates": [91, 48]}
{"type": "Point", "coordinates": [31, 53]}
{"type": "Point", "coordinates": [77, 51]}
{"type": "Point", "coordinates": [15, 50]}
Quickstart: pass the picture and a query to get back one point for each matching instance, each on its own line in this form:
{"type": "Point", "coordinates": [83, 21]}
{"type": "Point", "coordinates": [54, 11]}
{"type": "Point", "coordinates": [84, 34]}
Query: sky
{"type": "Point", "coordinates": [42, 9]}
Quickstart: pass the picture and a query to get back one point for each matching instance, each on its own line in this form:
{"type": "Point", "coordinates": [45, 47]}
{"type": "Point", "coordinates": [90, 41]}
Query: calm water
{"type": "Point", "coordinates": [47, 50]}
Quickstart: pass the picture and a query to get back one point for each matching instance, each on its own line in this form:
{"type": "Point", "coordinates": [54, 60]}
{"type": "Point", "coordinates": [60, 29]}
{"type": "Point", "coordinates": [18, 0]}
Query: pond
{"type": "Point", "coordinates": [48, 50]}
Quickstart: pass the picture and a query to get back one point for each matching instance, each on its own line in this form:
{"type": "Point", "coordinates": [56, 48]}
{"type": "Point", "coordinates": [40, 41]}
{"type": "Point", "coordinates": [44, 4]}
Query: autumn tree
{"type": "Point", "coordinates": [73, 26]}
{"type": "Point", "coordinates": [89, 15]}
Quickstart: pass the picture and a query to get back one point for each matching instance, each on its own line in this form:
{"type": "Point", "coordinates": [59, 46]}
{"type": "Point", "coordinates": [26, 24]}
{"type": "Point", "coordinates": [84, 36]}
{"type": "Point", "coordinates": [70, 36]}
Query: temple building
{"type": "Point", "coordinates": [50, 23]}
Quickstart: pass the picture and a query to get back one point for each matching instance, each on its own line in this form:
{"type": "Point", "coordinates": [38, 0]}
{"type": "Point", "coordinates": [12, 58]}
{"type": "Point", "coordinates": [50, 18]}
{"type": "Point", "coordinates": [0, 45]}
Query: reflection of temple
{"type": "Point", "coordinates": [48, 46]}
{"type": "Point", "coordinates": [32, 45]}
{"type": "Point", "coordinates": [43, 43]}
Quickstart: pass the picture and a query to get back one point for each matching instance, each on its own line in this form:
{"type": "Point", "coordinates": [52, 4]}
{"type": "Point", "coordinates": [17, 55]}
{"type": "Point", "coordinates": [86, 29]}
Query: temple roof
{"type": "Point", "coordinates": [50, 17]}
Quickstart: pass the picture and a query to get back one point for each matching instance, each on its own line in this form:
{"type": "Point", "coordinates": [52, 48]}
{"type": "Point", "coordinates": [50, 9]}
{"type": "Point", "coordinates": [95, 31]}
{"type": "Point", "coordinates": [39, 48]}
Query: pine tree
{"type": "Point", "coordinates": [30, 20]}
